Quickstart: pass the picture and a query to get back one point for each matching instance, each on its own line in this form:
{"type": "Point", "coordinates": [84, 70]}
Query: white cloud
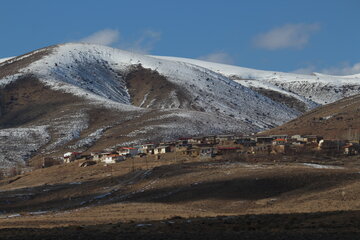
{"type": "Point", "coordinates": [145, 43]}
{"type": "Point", "coordinates": [110, 37]}
{"type": "Point", "coordinates": [105, 37]}
{"type": "Point", "coordinates": [287, 36]}
{"type": "Point", "coordinates": [342, 70]}
{"type": "Point", "coordinates": [218, 57]}
{"type": "Point", "coordinates": [345, 69]}
{"type": "Point", "coordinates": [305, 70]}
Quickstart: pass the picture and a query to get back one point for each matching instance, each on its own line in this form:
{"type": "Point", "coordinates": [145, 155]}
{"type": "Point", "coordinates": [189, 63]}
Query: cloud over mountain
{"type": "Point", "coordinates": [294, 36]}
{"type": "Point", "coordinates": [105, 37]}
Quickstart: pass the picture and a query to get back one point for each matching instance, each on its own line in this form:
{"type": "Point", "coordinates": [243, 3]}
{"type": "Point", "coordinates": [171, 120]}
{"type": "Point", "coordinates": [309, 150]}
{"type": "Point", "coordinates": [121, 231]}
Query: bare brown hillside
{"type": "Point", "coordinates": [149, 89]}
{"type": "Point", "coordinates": [27, 100]}
{"type": "Point", "coordinates": [340, 120]}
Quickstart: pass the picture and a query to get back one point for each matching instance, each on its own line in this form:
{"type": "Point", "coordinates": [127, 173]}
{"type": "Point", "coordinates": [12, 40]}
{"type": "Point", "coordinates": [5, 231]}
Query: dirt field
{"type": "Point", "coordinates": [186, 198]}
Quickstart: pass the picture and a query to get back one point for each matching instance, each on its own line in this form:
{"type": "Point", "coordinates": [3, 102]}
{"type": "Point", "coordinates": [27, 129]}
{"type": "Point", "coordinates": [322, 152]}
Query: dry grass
{"type": "Point", "coordinates": [146, 189]}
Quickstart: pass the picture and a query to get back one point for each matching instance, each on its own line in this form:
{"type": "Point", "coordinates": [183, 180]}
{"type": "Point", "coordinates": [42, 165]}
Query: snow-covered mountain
{"type": "Point", "coordinates": [97, 74]}
{"type": "Point", "coordinates": [313, 90]}
{"type": "Point", "coordinates": [87, 97]}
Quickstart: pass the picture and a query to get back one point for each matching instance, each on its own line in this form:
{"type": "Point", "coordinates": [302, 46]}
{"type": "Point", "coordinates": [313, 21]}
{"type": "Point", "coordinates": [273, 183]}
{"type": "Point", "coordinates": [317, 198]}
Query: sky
{"type": "Point", "coordinates": [301, 36]}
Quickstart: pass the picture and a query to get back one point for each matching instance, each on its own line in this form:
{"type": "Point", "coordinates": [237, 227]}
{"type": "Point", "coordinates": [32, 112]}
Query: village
{"type": "Point", "coordinates": [222, 145]}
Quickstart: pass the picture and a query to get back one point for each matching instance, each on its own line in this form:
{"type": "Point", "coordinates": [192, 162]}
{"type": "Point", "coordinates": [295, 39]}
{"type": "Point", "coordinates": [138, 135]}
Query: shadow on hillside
{"type": "Point", "coordinates": [117, 189]}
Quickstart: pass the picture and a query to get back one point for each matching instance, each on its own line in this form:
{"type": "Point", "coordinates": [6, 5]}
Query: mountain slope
{"type": "Point", "coordinates": [86, 97]}
{"type": "Point", "coordinates": [311, 90]}
{"type": "Point", "coordinates": [83, 97]}
{"type": "Point", "coordinates": [338, 120]}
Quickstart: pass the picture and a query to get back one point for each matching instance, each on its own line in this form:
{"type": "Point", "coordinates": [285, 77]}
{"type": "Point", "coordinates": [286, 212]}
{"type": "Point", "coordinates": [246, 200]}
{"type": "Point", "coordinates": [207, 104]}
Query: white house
{"type": "Point", "coordinates": [71, 156]}
{"type": "Point", "coordinates": [128, 151]}
{"type": "Point", "coordinates": [147, 148]}
{"type": "Point", "coordinates": [112, 158]}
{"type": "Point", "coordinates": [162, 149]}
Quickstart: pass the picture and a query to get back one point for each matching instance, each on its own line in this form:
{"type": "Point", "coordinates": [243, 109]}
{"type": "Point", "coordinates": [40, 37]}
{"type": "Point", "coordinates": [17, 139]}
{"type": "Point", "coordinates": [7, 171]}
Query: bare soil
{"type": "Point", "coordinates": [289, 101]}
{"type": "Point", "coordinates": [149, 89]}
{"type": "Point", "coordinates": [339, 120]}
{"type": "Point", "coordinates": [184, 198]}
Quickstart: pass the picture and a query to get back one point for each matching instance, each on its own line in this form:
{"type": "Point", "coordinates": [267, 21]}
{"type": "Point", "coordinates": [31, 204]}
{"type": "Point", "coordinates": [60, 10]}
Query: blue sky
{"type": "Point", "coordinates": [302, 36]}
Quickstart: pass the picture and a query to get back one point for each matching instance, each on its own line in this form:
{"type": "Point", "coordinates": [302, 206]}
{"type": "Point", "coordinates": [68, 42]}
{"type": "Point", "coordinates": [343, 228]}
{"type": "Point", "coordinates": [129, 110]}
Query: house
{"type": "Point", "coordinates": [209, 140]}
{"type": "Point", "coordinates": [279, 141]}
{"type": "Point", "coordinates": [195, 140]}
{"type": "Point", "coordinates": [225, 139]}
{"type": "Point", "coordinates": [112, 158]}
{"type": "Point", "coordinates": [182, 141]}
{"type": "Point", "coordinates": [312, 139]}
{"type": "Point", "coordinates": [193, 152]}
{"type": "Point", "coordinates": [227, 150]}
{"type": "Point", "coordinates": [351, 149]}
{"type": "Point", "coordinates": [128, 151]}
{"type": "Point", "coordinates": [96, 156]}
{"type": "Point", "coordinates": [261, 149]}
{"type": "Point", "coordinates": [162, 149]}
{"type": "Point", "coordinates": [282, 136]}
{"type": "Point", "coordinates": [245, 141]}
{"type": "Point", "coordinates": [208, 151]}
{"type": "Point", "coordinates": [147, 148]}
{"type": "Point", "coordinates": [297, 138]}
{"type": "Point", "coordinates": [264, 140]}
{"type": "Point", "coordinates": [49, 161]}
{"type": "Point", "coordinates": [71, 156]}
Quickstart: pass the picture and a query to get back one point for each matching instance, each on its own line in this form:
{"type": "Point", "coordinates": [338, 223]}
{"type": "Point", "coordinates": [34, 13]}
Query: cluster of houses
{"type": "Point", "coordinates": [210, 146]}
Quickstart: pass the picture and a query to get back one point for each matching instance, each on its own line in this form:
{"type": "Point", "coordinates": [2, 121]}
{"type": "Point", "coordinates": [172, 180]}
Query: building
{"type": "Point", "coordinates": [209, 140]}
{"type": "Point", "coordinates": [264, 140]}
{"type": "Point", "coordinates": [279, 141]}
{"type": "Point", "coordinates": [112, 158]}
{"type": "Point", "coordinates": [182, 142]}
{"type": "Point", "coordinates": [227, 150]}
{"type": "Point", "coordinates": [283, 136]}
{"type": "Point", "coordinates": [312, 138]}
{"type": "Point", "coordinates": [351, 149]}
{"type": "Point", "coordinates": [71, 156]}
{"type": "Point", "coordinates": [245, 141]}
{"type": "Point", "coordinates": [196, 140]}
{"type": "Point", "coordinates": [162, 149]}
{"type": "Point", "coordinates": [96, 156]}
{"type": "Point", "coordinates": [225, 139]}
{"type": "Point", "coordinates": [208, 151]}
{"type": "Point", "coordinates": [128, 151]}
{"type": "Point", "coordinates": [148, 148]}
